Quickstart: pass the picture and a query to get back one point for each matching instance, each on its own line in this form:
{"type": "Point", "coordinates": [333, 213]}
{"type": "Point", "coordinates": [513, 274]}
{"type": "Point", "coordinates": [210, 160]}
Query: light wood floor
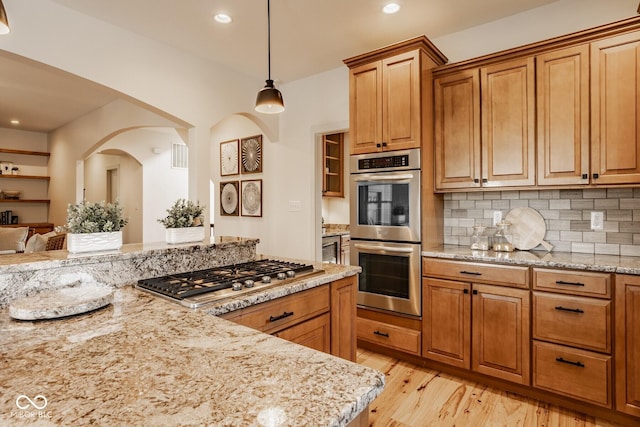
{"type": "Point", "coordinates": [418, 397]}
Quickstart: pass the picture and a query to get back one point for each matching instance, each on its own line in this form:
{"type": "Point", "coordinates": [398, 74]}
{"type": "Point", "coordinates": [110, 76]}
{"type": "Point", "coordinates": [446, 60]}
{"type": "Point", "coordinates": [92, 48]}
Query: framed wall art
{"type": "Point", "coordinates": [229, 158]}
{"type": "Point", "coordinates": [251, 193]}
{"type": "Point", "coordinates": [229, 198]}
{"type": "Point", "coordinates": [251, 154]}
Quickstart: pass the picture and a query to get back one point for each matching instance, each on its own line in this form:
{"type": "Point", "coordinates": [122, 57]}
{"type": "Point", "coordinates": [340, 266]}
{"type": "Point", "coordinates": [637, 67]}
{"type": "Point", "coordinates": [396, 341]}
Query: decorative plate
{"type": "Point", "coordinates": [252, 198]}
{"type": "Point", "coordinates": [229, 158]}
{"type": "Point", "coordinates": [229, 198]}
{"type": "Point", "coordinates": [251, 152]}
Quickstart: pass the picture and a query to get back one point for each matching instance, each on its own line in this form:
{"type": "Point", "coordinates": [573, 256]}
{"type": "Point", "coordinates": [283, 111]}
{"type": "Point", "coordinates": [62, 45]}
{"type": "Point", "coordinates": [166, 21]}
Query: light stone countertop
{"type": "Point", "coordinates": [578, 261]}
{"type": "Point", "coordinates": [146, 361]}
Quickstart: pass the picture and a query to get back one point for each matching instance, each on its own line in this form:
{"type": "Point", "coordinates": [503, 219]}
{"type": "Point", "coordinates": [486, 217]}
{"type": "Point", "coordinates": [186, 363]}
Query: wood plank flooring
{"type": "Point", "coordinates": [420, 397]}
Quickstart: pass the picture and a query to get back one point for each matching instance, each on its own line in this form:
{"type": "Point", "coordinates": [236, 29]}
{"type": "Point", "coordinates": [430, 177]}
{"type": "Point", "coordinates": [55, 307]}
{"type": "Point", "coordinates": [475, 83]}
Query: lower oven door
{"type": "Point", "coordinates": [390, 277]}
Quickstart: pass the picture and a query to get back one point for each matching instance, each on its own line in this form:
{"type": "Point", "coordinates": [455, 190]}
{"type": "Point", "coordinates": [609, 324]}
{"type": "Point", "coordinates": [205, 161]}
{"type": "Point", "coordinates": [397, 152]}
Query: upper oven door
{"type": "Point", "coordinates": [386, 206]}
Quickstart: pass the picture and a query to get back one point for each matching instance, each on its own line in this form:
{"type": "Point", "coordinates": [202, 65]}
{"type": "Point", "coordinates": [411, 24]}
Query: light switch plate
{"type": "Point", "coordinates": [497, 217]}
{"type": "Point", "coordinates": [294, 205]}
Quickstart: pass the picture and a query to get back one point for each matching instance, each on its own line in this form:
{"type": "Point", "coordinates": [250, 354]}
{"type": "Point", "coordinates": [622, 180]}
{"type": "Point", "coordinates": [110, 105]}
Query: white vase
{"type": "Point", "coordinates": [184, 235]}
{"type": "Point", "coordinates": [91, 242]}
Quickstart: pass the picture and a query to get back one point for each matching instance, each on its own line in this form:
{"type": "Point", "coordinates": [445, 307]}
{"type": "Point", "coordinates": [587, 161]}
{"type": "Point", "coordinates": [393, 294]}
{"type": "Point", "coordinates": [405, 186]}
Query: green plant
{"type": "Point", "coordinates": [98, 217]}
{"type": "Point", "coordinates": [183, 213]}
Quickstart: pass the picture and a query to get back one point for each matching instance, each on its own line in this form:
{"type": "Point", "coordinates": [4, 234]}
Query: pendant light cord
{"type": "Point", "coordinates": [269, 36]}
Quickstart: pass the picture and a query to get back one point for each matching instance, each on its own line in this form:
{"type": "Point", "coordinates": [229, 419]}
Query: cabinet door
{"type": "Point", "coordinates": [508, 115]}
{"type": "Point", "coordinates": [563, 116]}
{"type": "Point", "coordinates": [343, 318]}
{"type": "Point", "coordinates": [314, 333]}
{"type": "Point", "coordinates": [446, 322]}
{"type": "Point", "coordinates": [401, 102]}
{"type": "Point", "coordinates": [500, 341]}
{"type": "Point", "coordinates": [627, 352]}
{"type": "Point", "coordinates": [615, 115]}
{"type": "Point", "coordinates": [365, 108]}
{"type": "Point", "coordinates": [457, 130]}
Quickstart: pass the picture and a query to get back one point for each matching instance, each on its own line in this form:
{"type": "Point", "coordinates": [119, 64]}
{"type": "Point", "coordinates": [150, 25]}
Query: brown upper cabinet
{"type": "Point", "coordinates": [497, 150]}
{"type": "Point", "coordinates": [615, 113]}
{"type": "Point", "coordinates": [333, 165]}
{"type": "Point", "coordinates": [563, 112]}
{"type": "Point", "coordinates": [389, 96]}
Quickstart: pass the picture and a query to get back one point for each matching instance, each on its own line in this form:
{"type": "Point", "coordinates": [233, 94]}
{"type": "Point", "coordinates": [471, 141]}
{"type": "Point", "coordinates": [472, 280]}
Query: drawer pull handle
{"type": "Point", "coordinates": [382, 334]}
{"type": "Point", "coordinates": [568, 362]}
{"type": "Point", "coordinates": [562, 282]}
{"type": "Point", "coordinates": [473, 273]}
{"type": "Point", "coordinates": [573, 310]}
{"type": "Point", "coordinates": [282, 316]}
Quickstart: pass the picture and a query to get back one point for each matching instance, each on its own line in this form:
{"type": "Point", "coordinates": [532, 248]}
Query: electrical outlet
{"type": "Point", "coordinates": [597, 220]}
{"type": "Point", "coordinates": [497, 217]}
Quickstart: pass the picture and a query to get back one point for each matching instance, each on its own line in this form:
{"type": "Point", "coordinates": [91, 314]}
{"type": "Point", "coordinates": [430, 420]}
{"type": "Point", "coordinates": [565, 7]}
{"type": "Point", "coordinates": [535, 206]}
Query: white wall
{"type": "Point", "coordinates": [160, 184]}
{"type": "Point", "coordinates": [554, 19]}
{"type": "Point", "coordinates": [130, 189]}
{"type": "Point", "coordinates": [195, 91]}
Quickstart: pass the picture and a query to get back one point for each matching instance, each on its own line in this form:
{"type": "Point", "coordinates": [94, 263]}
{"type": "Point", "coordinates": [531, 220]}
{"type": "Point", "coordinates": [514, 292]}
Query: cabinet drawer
{"type": "Point", "coordinates": [314, 333]}
{"type": "Point", "coordinates": [506, 275]}
{"type": "Point", "coordinates": [397, 337]}
{"type": "Point", "coordinates": [578, 321]}
{"type": "Point", "coordinates": [284, 312]}
{"type": "Point", "coordinates": [573, 282]}
{"type": "Point", "coordinates": [575, 373]}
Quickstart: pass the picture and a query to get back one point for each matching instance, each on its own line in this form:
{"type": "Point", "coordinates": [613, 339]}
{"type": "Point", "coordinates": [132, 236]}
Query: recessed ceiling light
{"type": "Point", "coordinates": [15, 122]}
{"type": "Point", "coordinates": [390, 8]}
{"type": "Point", "coordinates": [222, 18]}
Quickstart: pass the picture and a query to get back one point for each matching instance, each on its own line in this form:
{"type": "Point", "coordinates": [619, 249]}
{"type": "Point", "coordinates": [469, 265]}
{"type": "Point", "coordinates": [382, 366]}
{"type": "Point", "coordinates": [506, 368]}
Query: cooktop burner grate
{"type": "Point", "coordinates": [189, 284]}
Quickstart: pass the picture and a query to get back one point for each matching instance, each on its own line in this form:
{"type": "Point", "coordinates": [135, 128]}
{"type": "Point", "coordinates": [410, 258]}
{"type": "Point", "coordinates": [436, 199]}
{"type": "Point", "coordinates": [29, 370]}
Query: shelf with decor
{"type": "Point", "coordinates": [27, 152]}
{"type": "Point", "coordinates": [38, 177]}
{"type": "Point", "coordinates": [24, 200]}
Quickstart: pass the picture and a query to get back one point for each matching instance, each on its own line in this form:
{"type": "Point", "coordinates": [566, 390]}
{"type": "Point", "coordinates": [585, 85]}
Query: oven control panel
{"type": "Point", "coordinates": [384, 162]}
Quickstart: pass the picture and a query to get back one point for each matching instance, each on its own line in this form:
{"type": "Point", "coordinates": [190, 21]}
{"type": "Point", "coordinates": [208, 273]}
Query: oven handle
{"type": "Point", "coordinates": [398, 177]}
{"type": "Point", "coordinates": [383, 248]}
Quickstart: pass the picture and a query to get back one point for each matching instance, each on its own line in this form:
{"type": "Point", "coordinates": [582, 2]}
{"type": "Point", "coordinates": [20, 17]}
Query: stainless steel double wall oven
{"type": "Point", "coordinates": [385, 229]}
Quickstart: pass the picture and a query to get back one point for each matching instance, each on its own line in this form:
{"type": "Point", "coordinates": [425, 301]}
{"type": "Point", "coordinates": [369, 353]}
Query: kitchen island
{"type": "Point", "coordinates": [146, 361]}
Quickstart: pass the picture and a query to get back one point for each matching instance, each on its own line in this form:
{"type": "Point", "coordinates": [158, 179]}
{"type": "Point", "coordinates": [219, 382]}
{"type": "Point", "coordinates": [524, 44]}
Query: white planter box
{"type": "Point", "coordinates": [184, 235]}
{"type": "Point", "coordinates": [91, 242]}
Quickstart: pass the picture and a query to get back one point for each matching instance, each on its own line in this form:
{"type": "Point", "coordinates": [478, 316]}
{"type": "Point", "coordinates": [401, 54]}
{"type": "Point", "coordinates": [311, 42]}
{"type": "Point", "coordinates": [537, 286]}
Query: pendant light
{"type": "Point", "coordinates": [269, 99]}
{"type": "Point", "coordinates": [4, 22]}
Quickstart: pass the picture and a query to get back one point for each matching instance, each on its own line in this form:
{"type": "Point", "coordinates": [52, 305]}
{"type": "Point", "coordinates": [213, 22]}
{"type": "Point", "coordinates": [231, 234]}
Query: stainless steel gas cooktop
{"type": "Point", "coordinates": [196, 289]}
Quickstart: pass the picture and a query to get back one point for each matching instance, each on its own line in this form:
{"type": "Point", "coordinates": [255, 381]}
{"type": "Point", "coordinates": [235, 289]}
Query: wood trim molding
{"type": "Point", "coordinates": [421, 42]}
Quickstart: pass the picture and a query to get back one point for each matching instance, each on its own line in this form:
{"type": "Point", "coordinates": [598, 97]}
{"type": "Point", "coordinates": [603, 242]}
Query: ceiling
{"type": "Point", "coordinates": [307, 37]}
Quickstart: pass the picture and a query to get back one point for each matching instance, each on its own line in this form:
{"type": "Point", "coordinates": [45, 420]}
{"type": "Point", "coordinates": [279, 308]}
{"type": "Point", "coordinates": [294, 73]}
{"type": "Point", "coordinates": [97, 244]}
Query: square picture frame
{"type": "Point", "coordinates": [251, 154]}
{"type": "Point", "coordinates": [229, 158]}
{"type": "Point", "coordinates": [230, 198]}
{"type": "Point", "coordinates": [251, 197]}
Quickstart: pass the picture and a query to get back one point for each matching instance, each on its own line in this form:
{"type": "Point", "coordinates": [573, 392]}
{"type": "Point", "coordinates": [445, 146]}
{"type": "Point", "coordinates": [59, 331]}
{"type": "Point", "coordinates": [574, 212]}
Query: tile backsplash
{"type": "Point", "coordinates": [567, 215]}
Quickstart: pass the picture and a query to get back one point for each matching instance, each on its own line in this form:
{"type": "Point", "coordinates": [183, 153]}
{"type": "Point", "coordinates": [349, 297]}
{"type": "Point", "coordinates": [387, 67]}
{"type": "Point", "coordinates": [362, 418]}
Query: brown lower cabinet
{"type": "Point", "coordinates": [627, 349]}
{"type": "Point", "coordinates": [569, 337]}
{"type": "Point", "coordinates": [322, 318]}
{"type": "Point", "coordinates": [473, 325]}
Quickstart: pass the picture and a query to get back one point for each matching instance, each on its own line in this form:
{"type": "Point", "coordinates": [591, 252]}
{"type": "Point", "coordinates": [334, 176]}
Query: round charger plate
{"type": "Point", "coordinates": [527, 228]}
{"type": "Point", "coordinates": [62, 302]}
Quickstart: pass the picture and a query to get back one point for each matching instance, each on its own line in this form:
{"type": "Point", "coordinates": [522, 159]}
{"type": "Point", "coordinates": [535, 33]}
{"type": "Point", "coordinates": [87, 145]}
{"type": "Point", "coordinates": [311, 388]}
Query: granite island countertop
{"type": "Point", "coordinates": [146, 361]}
{"type": "Point", "coordinates": [570, 260]}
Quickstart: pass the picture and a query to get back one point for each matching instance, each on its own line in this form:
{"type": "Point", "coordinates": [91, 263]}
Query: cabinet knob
{"type": "Point", "coordinates": [585, 176]}
{"type": "Point", "coordinates": [378, 145]}
{"type": "Point", "coordinates": [384, 144]}
{"type": "Point", "coordinates": [476, 180]}
{"type": "Point", "coordinates": [596, 176]}
{"type": "Point", "coordinates": [485, 180]}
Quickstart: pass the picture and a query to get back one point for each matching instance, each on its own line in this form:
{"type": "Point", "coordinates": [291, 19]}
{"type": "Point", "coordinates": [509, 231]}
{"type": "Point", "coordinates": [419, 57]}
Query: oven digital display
{"type": "Point", "coordinates": [384, 162]}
